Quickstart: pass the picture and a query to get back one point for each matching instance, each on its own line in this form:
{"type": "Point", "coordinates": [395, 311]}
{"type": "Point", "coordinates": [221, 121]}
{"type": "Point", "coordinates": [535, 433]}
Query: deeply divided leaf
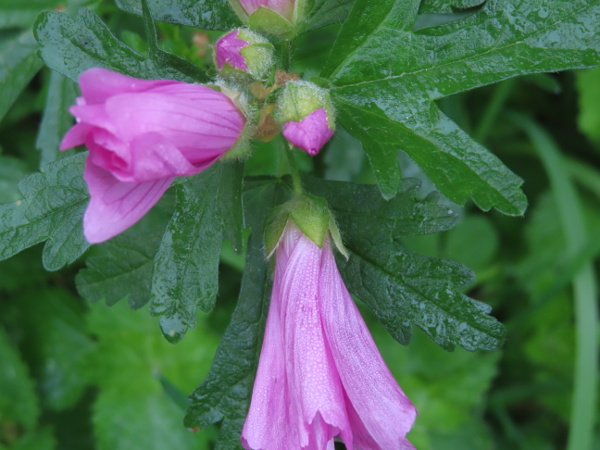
{"type": "Point", "coordinates": [384, 83]}
{"type": "Point", "coordinates": [204, 14]}
{"type": "Point", "coordinates": [122, 267]}
{"type": "Point", "coordinates": [71, 46]}
{"type": "Point", "coordinates": [186, 268]}
{"type": "Point", "coordinates": [403, 288]}
{"type": "Point", "coordinates": [51, 210]}
{"type": "Point", "coordinates": [224, 396]}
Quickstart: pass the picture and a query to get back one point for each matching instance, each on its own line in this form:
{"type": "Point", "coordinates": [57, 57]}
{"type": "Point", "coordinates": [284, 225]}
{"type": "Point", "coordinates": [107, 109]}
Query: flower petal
{"type": "Point", "coordinates": [381, 413]}
{"type": "Point", "coordinates": [228, 49]}
{"type": "Point", "coordinates": [97, 84]}
{"type": "Point", "coordinates": [115, 206]}
{"type": "Point", "coordinates": [311, 133]}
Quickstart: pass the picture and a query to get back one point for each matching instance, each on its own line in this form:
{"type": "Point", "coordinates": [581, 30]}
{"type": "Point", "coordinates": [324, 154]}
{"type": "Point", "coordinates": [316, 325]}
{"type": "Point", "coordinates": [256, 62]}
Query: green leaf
{"type": "Point", "coordinates": [447, 6]}
{"type": "Point", "coordinates": [224, 395]}
{"type": "Point", "coordinates": [18, 400]}
{"type": "Point", "coordinates": [327, 12]}
{"type": "Point", "coordinates": [186, 268]}
{"type": "Point", "coordinates": [403, 288]}
{"type": "Point", "coordinates": [588, 85]}
{"type": "Point", "coordinates": [52, 211]}
{"type": "Point", "coordinates": [18, 64]}
{"type": "Point", "coordinates": [56, 342]}
{"type": "Point", "coordinates": [121, 267]}
{"type": "Point", "coordinates": [204, 14]}
{"type": "Point", "coordinates": [56, 120]}
{"type": "Point", "coordinates": [384, 83]}
{"type": "Point", "coordinates": [12, 170]}
{"type": "Point", "coordinates": [71, 46]}
{"type": "Point", "coordinates": [22, 14]}
{"type": "Point", "coordinates": [165, 58]}
{"type": "Point", "coordinates": [132, 409]}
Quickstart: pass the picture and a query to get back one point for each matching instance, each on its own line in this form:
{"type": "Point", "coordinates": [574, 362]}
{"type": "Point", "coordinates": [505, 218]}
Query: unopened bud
{"type": "Point", "coordinates": [244, 51]}
{"type": "Point", "coordinates": [307, 113]}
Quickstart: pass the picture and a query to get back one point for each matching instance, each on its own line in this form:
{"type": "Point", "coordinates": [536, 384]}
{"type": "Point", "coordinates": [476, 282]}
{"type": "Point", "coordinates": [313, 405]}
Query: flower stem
{"type": "Point", "coordinates": [293, 168]}
{"type": "Point", "coordinates": [287, 49]}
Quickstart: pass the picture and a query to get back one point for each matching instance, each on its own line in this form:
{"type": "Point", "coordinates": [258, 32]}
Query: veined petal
{"type": "Point", "coordinates": [115, 206]}
{"type": "Point", "coordinates": [381, 413]}
{"type": "Point", "coordinates": [97, 84]}
{"type": "Point", "coordinates": [314, 384]}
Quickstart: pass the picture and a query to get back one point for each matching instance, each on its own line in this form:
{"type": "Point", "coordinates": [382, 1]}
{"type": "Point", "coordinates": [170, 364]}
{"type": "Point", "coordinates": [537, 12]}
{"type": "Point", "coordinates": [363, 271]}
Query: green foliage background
{"type": "Point", "coordinates": [83, 364]}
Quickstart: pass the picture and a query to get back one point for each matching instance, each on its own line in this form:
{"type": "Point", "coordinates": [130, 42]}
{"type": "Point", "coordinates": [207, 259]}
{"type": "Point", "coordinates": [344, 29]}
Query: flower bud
{"type": "Point", "coordinates": [279, 17]}
{"type": "Point", "coordinates": [243, 51]}
{"type": "Point", "coordinates": [307, 113]}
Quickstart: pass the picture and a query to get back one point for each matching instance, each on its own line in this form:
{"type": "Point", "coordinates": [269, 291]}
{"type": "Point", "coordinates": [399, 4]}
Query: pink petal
{"type": "Point", "coordinates": [97, 84]}
{"type": "Point", "coordinates": [381, 414]}
{"type": "Point", "coordinates": [115, 206]}
{"type": "Point", "coordinates": [75, 136]}
{"type": "Point", "coordinates": [268, 422]}
{"type": "Point", "coordinates": [315, 386]}
{"type": "Point", "coordinates": [311, 133]}
{"type": "Point", "coordinates": [228, 51]}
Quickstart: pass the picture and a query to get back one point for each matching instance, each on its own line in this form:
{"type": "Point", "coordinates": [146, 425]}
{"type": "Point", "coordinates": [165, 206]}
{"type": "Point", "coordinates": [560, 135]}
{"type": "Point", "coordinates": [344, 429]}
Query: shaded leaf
{"type": "Point", "coordinates": [327, 12]}
{"type": "Point", "coordinates": [121, 267]}
{"type": "Point", "coordinates": [224, 396]}
{"type": "Point", "coordinates": [18, 64]}
{"type": "Point", "coordinates": [204, 14]}
{"type": "Point", "coordinates": [403, 288]}
{"type": "Point", "coordinates": [51, 210]}
{"type": "Point", "coordinates": [186, 268]}
{"type": "Point", "coordinates": [22, 14]}
{"type": "Point", "coordinates": [71, 46]}
{"type": "Point", "coordinates": [56, 119]}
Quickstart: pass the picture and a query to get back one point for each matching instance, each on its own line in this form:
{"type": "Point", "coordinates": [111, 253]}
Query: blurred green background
{"type": "Point", "coordinates": [81, 375]}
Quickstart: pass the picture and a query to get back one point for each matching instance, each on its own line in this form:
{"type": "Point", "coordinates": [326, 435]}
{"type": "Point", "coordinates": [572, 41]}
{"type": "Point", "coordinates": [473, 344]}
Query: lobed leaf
{"type": "Point", "coordinates": [51, 210]}
{"type": "Point", "coordinates": [385, 78]}
{"type": "Point", "coordinates": [18, 64]}
{"type": "Point", "coordinates": [71, 46]}
{"type": "Point", "coordinates": [403, 288]}
{"type": "Point", "coordinates": [186, 268]}
{"type": "Point", "coordinates": [122, 267]}
{"type": "Point", "coordinates": [204, 14]}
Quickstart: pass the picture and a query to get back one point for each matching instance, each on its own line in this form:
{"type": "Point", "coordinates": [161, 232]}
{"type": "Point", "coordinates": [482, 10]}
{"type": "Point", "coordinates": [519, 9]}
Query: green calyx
{"type": "Point", "coordinates": [266, 20]}
{"type": "Point", "coordinates": [310, 214]}
{"type": "Point", "coordinates": [298, 99]}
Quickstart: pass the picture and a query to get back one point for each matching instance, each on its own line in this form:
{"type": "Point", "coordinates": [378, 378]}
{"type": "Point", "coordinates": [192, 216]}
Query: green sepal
{"type": "Point", "coordinates": [300, 98]}
{"type": "Point", "coordinates": [268, 21]}
{"type": "Point", "coordinates": [309, 213]}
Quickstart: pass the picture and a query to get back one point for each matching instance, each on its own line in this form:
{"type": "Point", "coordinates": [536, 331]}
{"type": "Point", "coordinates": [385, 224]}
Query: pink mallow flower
{"type": "Point", "coordinates": [283, 7]}
{"type": "Point", "coordinates": [245, 51]}
{"type": "Point", "coordinates": [311, 133]}
{"type": "Point", "coordinates": [141, 134]}
{"type": "Point", "coordinates": [320, 375]}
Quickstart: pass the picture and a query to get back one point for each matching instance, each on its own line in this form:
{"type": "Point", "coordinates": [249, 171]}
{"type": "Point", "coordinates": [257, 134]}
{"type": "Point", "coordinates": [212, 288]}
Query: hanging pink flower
{"type": "Point", "coordinates": [141, 134]}
{"type": "Point", "coordinates": [320, 374]}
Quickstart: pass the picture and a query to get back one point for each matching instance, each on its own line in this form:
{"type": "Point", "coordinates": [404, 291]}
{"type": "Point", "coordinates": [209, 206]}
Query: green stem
{"type": "Point", "coordinates": [293, 168]}
{"type": "Point", "coordinates": [581, 432]}
{"type": "Point", "coordinates": [287, 50]}
{"type": "Point", "coordinates": [492, 110]}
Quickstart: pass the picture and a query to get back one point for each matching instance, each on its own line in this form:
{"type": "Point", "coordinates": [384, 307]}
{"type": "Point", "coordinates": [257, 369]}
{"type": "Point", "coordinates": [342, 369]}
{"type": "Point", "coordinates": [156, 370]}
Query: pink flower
{"type": "Point", "coordinates": [320, 374]}
{"type": "Point", "coordinates": [141, 134]}
{"type": "Point", "coordinates": [311, 133]}
{"type": "Point", "coordinates": [228, 49]}
{"type": "Point", "coordinates": [283, 7]}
